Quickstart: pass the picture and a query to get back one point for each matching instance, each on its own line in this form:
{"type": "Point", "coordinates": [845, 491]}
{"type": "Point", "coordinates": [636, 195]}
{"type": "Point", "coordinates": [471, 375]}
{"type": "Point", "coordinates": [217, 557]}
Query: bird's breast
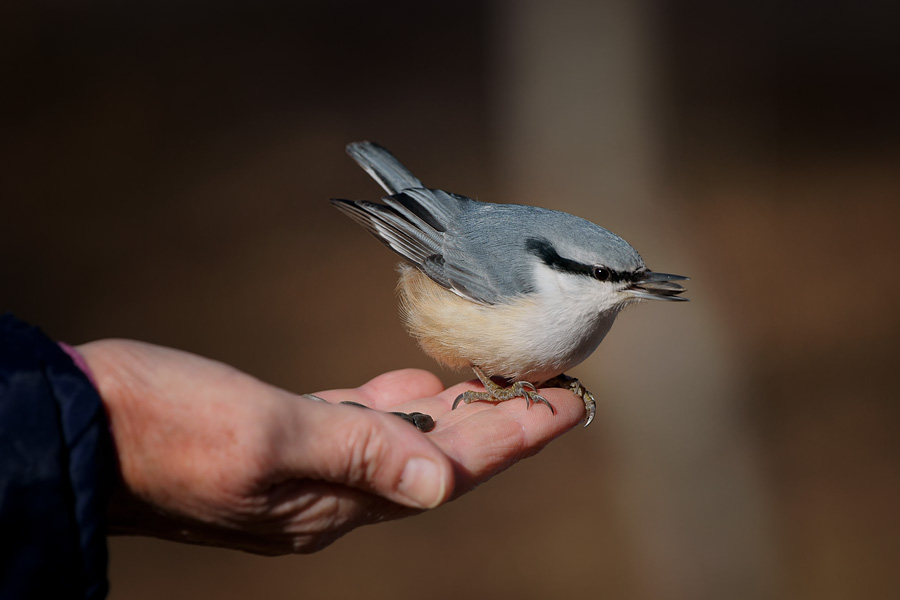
{"type": "Point", "coordinates": [531, 338]}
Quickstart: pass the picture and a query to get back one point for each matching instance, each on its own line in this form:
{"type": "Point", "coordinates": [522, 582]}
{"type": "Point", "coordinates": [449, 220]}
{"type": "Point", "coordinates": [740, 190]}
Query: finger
{"type": "Point", "coordinates": [367, 450]}
{"type": "Point", "coordinates": [441, 405]}
{"type": "Point", "coordinates": [397, 387]}
{"type": "Point", "coordinates": [303, 516]}
{"type": "Point", "coordinates": [313, 514]}
{"type": "Point", "coordinates": [407, 390]}
{"type": "Point", "coordinates": [389, 390]}
{"type": "Point", "coordinates": [484, 439]}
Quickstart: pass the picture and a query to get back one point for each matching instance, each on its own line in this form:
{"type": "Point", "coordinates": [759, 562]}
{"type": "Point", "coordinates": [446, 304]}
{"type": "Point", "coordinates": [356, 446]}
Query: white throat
{"type": "Point", "coordinates": [571, 316]}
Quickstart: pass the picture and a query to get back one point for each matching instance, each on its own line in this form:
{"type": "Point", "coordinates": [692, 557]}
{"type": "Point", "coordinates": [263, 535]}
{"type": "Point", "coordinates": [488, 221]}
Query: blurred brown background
{"type": "Point", "coordinates": [166, 171]}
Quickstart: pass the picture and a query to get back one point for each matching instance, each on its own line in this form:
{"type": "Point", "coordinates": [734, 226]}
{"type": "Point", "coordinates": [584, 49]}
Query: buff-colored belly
{"type": "Point", "coordinates": [513, 340]}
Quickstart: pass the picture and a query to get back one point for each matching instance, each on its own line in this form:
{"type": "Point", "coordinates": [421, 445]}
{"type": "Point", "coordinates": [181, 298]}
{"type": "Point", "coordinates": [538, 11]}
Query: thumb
{"type": "Point", "coordinates": [370, 451]}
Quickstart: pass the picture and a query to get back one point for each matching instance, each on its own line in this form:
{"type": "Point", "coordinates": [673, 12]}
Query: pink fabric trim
{"type": "Point", "coordinates": [78, 360]}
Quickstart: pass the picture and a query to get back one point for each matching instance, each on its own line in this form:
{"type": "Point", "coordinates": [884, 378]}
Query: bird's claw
{"type": "Point", "coordinates": [495, 393]}
{"type": "Point", "coordinates": [573, 385]}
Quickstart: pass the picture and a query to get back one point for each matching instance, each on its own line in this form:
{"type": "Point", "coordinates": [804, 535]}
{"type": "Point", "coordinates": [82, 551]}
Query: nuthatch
{"type": "Point", "coordinates": [519, 292]}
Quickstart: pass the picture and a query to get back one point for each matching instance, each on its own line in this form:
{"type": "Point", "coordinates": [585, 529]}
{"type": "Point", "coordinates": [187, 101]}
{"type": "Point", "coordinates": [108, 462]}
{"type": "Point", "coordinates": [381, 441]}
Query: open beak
{"type": "Point", "coordinates": [657, 286]}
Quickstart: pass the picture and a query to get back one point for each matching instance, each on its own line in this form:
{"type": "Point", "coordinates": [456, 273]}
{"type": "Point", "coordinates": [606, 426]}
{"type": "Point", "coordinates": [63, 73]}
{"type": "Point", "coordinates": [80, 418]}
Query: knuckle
{"type": "Point", "coordinates": [367, 451]}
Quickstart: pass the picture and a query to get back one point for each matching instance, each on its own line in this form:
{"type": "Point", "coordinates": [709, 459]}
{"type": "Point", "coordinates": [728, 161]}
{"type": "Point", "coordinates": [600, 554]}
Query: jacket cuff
{"type": "Point", "coordinates": [57, 466]}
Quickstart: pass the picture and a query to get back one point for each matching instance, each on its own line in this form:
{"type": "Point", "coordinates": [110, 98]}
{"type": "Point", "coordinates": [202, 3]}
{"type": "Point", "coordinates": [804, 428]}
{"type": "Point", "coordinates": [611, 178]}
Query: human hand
{"type": "Point", "coordinates": [212, 456]}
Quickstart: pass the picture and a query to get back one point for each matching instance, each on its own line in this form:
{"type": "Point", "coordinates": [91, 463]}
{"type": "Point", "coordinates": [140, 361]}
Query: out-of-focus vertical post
{"type": "Point", "coordinates": [575, 97]}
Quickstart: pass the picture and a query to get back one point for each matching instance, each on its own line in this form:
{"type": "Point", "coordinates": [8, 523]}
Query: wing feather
{"type": "Point", "coordinates": [428, 227]}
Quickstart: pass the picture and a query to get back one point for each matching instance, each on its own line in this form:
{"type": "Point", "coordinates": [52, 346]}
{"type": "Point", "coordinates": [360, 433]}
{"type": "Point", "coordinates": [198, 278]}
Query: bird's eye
{"type": "Point", "coordinates": [601, 273]}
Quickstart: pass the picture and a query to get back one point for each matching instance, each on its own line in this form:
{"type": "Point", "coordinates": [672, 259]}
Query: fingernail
{"type": "Point", "coordinates": [421, 482]}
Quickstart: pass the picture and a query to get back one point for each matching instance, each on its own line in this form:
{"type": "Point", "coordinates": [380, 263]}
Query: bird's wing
{"type": "Point", "coordinates": [424, 226]}
{"type": "Point", "coordinates": [398, 225]}
{"type": "Point", "coordinates": [413, 240]}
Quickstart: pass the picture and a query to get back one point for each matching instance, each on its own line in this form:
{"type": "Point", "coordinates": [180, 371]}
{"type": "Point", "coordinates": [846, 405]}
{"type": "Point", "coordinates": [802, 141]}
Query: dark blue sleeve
{"type": "Point", "coordinates": [56, 469]}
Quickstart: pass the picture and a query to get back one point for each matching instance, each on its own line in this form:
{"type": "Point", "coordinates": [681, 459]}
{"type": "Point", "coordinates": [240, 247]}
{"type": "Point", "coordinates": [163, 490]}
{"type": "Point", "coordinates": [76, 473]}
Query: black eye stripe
{"type": "Point", "coordinates": [545, 251]}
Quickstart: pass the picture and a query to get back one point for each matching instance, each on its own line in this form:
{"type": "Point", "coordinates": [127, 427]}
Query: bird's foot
{"type": "Point", "coordinates": [498, 393]}
{"type": "Point", "coordinates": [573, 385]}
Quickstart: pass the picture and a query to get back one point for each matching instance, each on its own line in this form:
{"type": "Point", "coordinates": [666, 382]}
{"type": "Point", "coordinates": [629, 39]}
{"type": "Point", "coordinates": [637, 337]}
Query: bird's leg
{"type": "Point", "coordinates": [573, 385]}
{"type": "Point", "coordinates": [497, 393]}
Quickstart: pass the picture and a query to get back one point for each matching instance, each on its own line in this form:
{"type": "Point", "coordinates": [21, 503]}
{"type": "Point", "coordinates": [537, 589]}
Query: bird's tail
{"type": "Point", "coordinates": [383, 167]}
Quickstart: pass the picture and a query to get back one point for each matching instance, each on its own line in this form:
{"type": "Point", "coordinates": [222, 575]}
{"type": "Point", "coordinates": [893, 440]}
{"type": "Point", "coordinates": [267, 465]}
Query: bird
{"type": "Point", "coordinates": [515, 292]}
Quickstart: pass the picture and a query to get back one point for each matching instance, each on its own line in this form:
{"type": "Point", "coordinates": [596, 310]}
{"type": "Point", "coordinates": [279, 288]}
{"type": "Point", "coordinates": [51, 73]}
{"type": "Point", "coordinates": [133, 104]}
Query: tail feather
{"type": "Point", "coordinates": [426, 209]}
{"type": "Point", "coordinates": [383, 167]}
{"type": "Point", "coordinates": [417, 222]}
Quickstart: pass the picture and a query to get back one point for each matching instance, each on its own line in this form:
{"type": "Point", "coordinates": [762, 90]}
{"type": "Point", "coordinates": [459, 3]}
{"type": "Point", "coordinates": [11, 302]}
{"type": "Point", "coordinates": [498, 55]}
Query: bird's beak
{"type": "Point", "coordinates": [657, 286]}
